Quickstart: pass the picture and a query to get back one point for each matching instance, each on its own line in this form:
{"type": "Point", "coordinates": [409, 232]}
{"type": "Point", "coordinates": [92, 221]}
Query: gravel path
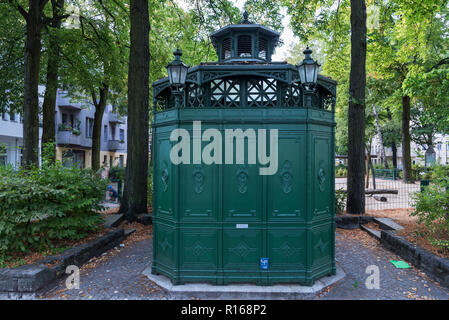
{"type": "Point", "coordinates": [118, 275]}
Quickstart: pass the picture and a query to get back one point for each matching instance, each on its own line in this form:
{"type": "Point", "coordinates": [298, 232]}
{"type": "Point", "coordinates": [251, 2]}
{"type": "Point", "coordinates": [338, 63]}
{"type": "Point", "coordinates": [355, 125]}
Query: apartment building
{"type": "Point", "coordinates": [11, 138]}
{"type": "Point", "coordinates": [74, 129]}
{"type": "Point", "coordinates": [441, 147]}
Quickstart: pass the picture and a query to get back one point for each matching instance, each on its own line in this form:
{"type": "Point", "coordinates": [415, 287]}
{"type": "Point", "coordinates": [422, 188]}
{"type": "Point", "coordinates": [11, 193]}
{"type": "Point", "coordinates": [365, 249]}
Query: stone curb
{"type": "Point", "coordinates": [27, 280]}
{"type": "Point", "coordinates": [246, 291]}
{"type": "Point", "coordinates": [351, 222]}
{"type": "Point", "coordinates": [436, 267]}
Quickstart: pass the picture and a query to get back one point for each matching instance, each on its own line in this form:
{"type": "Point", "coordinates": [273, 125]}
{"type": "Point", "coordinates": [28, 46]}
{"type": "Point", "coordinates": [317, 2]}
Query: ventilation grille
{"type": "Point", "coordinates": [226, 49]}
{"type": "Point", "coordinates": [263, 47]}
{"type": "Point", "coordinates": [244, 47]}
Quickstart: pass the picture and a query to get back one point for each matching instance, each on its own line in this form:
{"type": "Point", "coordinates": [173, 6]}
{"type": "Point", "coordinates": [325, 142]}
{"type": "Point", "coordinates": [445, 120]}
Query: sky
{"type": "Point", "coordinates": [287, 36]}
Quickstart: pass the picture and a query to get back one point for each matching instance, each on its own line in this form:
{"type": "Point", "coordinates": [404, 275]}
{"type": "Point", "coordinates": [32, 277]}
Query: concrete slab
{"type": "Point", "coordinates": [113, 220]}
{"type": "Point", "coordinates": [374, 233]}
{"type": "Point", "coordinates": [388, 224]}
{"type": "Point", "coordinates": [245, 291]}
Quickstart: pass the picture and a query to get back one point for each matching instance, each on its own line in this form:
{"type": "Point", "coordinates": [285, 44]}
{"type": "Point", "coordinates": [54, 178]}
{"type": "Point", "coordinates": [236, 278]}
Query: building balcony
{"type": "Point", "coordinates": [65, 101]}
{"type": "Point", "coordinates": [116, 145]}
{"type": "Point", "coordinates": [67, 137]}
{"type": "Point", "coordinates": [115, 118]}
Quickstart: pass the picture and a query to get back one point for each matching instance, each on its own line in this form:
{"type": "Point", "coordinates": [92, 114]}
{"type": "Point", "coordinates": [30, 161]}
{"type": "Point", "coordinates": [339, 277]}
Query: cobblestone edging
{"type": "Point", "coordinates": [436, 267]}
{"type": "Point", "coordinates": [25, 281]}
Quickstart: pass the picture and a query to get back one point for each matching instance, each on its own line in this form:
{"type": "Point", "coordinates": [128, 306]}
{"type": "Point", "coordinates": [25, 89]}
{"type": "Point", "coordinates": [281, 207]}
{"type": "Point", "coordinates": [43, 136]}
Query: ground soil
{"type": "Point", "coordinates": [413, 231]}
{"type": "Point", "coordinates": [142, 232]}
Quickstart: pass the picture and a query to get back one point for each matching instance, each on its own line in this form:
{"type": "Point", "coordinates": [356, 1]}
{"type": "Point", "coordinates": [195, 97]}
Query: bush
{"type": "Point", "coordinates": [340, 201]}
{"type": "Point", "coordinates": [341, 173]}
{"type": "Point", "coordinates": [41, 205]}
{"type": "Point", "coordinates": [117, 173]}
{"type": "Point", "coordinates": [432, 208]}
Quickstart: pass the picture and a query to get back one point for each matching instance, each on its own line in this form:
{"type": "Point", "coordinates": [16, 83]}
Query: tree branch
{"type": "Point", "coordinates": [20, 8]}
{"type": "Point", "coordinates": [440, 63]}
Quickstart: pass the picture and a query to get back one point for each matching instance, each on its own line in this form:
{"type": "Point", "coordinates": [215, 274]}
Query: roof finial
{"type": "Point", "coordinates": [245, 17]}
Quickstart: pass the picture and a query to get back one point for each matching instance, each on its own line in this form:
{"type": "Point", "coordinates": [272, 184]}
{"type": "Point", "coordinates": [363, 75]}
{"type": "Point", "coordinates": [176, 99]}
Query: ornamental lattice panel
{"type": "Point", "coordinates": [195, 96]}
{"type": "Point", "coordinates": [262, 92]}
{"type": "Point", "coordinates": [293, 96]}
{"type": "Point", "coordinates": [225, 93]}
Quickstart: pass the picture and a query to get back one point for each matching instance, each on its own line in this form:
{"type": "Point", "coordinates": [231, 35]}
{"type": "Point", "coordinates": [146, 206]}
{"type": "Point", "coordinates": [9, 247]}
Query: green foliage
{"type": "Point", "coordinates": [341, 172]}
{"type": "Point", "coordinates": [340, 201]}
{"type": "Point", "coordinates": [12, 41]}
{"type": "Point", "coordinates": [407, 54]}
{"type": "Point", "coordinates": [432, 207]}
{"type": "Point", "coordinates": [42, 205]}
{"type": "Point", "coordinates": [117, 173]}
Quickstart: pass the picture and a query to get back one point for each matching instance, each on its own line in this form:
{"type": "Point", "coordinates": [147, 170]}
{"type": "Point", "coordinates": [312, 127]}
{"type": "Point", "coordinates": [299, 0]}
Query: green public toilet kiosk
{"type": "Point", "coordinates": [244, 166]}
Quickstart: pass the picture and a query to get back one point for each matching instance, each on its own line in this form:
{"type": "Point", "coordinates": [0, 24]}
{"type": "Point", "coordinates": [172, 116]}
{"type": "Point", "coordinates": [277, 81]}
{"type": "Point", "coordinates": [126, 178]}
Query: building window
{"type": "Point", "coordinates": [111, 161]}
{"type": "Point", "coordinates": [112, 132]}
{"type": "Point", "coordinates": [226, 49]}
{"type": "Point", "coordinates": [12, 117]}
{"type": "Point", "coordinates": [105, 160]}
{"type": "Point", "coordinates": [122, 135]}
{"type": "Point", "coordinates": [89, 127]}
{"type": "Point", "coordinates": [105, 133]}
{"type": "Point", "coordinates": [4, 116]}
{"type": "Point", "coordinates": [73, 158]}
{"type": "Point", "coordinates": [121, 161]}
{"type": "Point", "coordinates": [244, 47]}
{"type": "Point", "coordinates": [3, 155]}
{"type": "Point", "coordinates": [263, 48]}
{"type": "Point", "coordinates": [68, 119]}
{"type": "Point", "coordinates": [21, 155]}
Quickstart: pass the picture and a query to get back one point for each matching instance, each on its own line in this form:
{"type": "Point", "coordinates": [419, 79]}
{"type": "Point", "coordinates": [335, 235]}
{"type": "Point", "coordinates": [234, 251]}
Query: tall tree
{"type": "Point", "coordinates": [356, 112]}
{"type": "Point", "coordinates": [34, 22]}
{"type": "Point", "coordinates": [134, 200]}
{"type": "Point", "coordinates": [51, 84]}
{"type": "Point", "coordinates": [94, 62]}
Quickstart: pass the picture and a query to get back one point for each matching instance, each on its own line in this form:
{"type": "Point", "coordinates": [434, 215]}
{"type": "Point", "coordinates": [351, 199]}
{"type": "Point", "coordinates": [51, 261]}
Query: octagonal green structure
{"type": "Point", "coordinates": [226, 223]}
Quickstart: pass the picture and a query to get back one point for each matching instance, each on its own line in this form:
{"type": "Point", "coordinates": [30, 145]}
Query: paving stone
{"type": "Point", "coordinates": [126, 281]}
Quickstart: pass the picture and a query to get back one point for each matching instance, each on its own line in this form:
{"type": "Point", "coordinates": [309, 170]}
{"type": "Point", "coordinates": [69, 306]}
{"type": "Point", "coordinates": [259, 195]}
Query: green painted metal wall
{"type": "Point", "coordinates": [201, 211]}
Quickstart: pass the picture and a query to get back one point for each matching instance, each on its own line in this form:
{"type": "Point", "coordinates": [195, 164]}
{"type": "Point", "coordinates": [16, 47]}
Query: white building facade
{"type": "Point", "coordinates": [74, 128]}
{"type": "Point", "coordinates": [441, 147]}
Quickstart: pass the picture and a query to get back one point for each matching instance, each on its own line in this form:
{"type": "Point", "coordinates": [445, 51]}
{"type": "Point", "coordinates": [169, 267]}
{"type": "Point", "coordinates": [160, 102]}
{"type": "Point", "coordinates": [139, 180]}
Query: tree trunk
{"type": "Point", "coordinates": [31, 81]}
{"type": "Point", "coordinates": [51, 86]}
{"type": "Point", "coordinates": [100, 106]}
{"type": "Point", "coordinates": [381, 140]}
{"type": "Point", "coordinates": [406, 156]}
{"type": "Point", "coordinates": [368, 159]}
{"type": "Point", "coordinates": [356, 113]}
{"type": "Point", "coordinates": [372, 173]}
{"type": "Point", "coordinates": [394, 151]}
{"type": "Point", "coordinates": [134, 200]}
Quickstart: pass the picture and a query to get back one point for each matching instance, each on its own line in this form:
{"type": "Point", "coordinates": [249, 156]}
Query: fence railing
{"type": "Point", "coordinates": [392, 174]}
{"type": "Point", "coordinates": [390, 193]}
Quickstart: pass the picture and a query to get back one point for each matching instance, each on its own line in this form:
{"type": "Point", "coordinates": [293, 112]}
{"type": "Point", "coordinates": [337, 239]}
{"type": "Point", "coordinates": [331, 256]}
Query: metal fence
{"type": "Point", "coordinates": [389, 193]}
